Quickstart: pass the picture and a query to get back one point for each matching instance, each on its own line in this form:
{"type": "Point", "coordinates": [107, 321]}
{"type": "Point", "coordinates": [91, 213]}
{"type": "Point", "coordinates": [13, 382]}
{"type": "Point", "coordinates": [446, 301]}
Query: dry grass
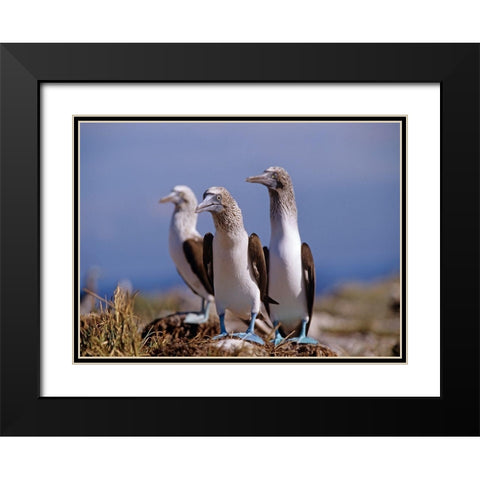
{"type": "Point", "coordinates": [115, 331]}
{"type": "Point", "coordinates": [112, 331]}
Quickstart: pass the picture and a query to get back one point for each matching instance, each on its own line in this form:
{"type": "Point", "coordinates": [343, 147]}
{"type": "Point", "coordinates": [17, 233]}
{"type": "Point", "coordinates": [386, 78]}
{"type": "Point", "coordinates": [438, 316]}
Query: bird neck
{"type": "Point", "coordinates": [229, 221]}
{"type": "Point", "coordinates": [184, 220]}
{"type": "Point", "coordinates": [283, 208]}
{"type": "Point", "coordinates": [284, 227]}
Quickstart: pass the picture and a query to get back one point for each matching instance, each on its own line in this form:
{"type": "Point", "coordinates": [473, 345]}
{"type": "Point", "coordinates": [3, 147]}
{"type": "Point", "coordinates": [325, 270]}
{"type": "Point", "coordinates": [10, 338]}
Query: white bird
{"type": "Point", "coordinates": [185, 245]}
{"type": "Point", "coordinates": [291, 269]}
{"type": "Point", "coordinates": [234, 262]}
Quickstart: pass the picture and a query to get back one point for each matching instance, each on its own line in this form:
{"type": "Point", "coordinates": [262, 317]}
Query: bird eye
{"type": "Point", "coordinates": [274, 175]}
{"type": "Point", "coordinates": [219, 197]}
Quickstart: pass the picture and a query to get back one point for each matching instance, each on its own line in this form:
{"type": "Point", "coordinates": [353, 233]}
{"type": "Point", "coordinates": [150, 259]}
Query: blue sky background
{"type": "Point", "coordinates": [346, 178]}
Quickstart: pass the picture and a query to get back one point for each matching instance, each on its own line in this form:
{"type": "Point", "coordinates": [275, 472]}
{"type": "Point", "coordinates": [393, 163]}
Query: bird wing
{"type": "Point", "coordinates": [259, 267]}
{"type": "Point", "coordinates": [308, 268]}
{"type": "Point", "coordinates": [208, 257]}
{"type": "Point", "coordinates": [266, 254]}
{"type": "Point", "coordinates": [193, 250]}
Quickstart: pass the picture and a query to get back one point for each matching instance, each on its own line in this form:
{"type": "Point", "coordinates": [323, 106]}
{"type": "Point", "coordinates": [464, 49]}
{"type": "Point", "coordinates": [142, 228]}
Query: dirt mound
{"type": "Point", "coordinates": [170, 337]}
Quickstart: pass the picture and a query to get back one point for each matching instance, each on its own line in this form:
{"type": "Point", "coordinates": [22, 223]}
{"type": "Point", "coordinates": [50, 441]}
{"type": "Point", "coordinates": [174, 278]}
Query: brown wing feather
{"type": "Point", "coordinates": [193, 249]}
{"type": "Point", "coordinates": [259, 267]}
{"type": "Point", "coordinates": [208, 258]}
{"type": "Point", "coordinates": [266, 254]}
{"type": "Point", "coordinates": [309, 278]}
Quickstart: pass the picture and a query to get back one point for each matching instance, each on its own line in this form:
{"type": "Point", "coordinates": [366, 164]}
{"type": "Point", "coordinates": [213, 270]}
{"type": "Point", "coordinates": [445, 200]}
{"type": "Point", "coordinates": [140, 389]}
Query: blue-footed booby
{"type": "Point", "coordinates": [291, 269]}
{"type": "Point", "coordinates": [234, 262]}
{"type": "Point", "coordinates": [185, 245]}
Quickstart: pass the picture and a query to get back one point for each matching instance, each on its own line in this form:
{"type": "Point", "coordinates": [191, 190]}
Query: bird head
{"type": "Point", "coordinates": [181, 196]}
{"type": "Point", "coordinates": [216, 200]}
{"type": "Point", "coordinates": [274, 178]}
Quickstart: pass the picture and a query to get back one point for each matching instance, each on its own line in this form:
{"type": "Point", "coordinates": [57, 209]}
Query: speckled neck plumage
{"type": "Point", "coordinates": [282, 203]}
{"type": "Point", "coordinates": [230, 220]}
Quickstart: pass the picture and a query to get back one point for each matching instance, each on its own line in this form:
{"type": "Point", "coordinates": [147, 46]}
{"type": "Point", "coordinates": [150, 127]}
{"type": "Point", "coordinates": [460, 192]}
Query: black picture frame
{"type": "Point", "coordinates": [24, 67]}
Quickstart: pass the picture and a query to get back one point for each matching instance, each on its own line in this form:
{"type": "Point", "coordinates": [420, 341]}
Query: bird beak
{"type": "Point", "coordinates": [205, 206]}
{"type": "Point", "coordinates": [209, 205]}
{"type": "Point", "coordinates": [171, 197]}
{"type": "Point", "coordinates": [264, 179]}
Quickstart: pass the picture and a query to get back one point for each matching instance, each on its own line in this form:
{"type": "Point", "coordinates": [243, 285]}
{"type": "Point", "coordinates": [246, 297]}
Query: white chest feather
{"type": "Point", "coordinates": [286, 284]}
{"type": "Point", "coordinates": [235, 288]}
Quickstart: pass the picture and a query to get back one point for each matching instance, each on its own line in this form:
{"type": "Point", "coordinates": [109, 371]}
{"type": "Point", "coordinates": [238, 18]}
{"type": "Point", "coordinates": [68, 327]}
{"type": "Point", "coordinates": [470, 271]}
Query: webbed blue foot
{"type": "Point", "coordinates": [278, 338]}
{"type": "Point", "coordinates": [195, 318]}
{"type": "Point", "coordinates": [249, 337]}
{"type": "Point", "coordinates": [302, 338]}
{"type": "Point", "coordinates": [199, 317]}
{"type": "Point", "coordinates": [219, 337]}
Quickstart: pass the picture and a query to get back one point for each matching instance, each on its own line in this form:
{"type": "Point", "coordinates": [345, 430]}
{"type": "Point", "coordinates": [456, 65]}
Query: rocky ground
{"type": "Point", "coordinates": [360, 319]}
